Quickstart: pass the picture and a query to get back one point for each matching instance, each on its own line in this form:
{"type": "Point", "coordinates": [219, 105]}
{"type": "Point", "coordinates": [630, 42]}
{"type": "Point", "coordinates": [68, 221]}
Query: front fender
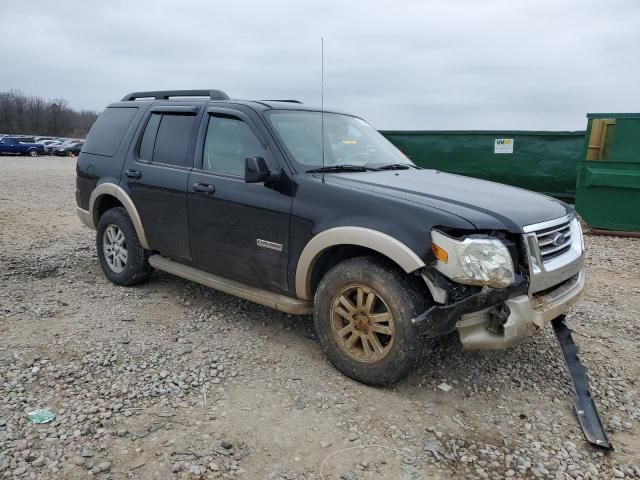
{"type": "Point", "coordinates": [380, 242]}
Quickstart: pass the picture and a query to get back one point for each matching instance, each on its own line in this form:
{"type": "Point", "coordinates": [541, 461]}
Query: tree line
{"type": "Point", "coordinates": [22, 114]}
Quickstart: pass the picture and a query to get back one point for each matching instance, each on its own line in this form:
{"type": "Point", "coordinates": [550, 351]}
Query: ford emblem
{"type": "Point", "coordinates": [558, 239]}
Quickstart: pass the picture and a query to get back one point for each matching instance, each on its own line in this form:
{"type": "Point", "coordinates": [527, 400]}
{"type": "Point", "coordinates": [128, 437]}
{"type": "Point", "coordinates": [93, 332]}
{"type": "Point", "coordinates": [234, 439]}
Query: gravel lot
{"type": "Point", "coordinates": [172, 380]}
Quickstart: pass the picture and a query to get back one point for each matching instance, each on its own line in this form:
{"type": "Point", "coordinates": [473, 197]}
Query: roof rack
{"type": "Point", "coordinates": [278, 100]}
{"type": "Point", "coordinates": [166, 94]}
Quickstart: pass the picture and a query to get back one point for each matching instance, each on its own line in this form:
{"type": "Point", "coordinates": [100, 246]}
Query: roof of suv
{"type": "Point", "coordinates": [213, 96]}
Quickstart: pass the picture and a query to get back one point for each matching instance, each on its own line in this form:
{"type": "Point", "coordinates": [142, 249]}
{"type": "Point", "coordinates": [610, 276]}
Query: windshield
{"type": "Point", "coordinates": [347, 140]}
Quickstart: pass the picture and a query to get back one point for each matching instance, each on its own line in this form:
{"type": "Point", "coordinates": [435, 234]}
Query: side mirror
{"type": "Point", "coordinates": [256, 170]}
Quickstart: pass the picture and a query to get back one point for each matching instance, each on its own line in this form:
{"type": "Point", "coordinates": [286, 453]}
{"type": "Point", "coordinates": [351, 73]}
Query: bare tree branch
{"type": "Point", "coordinates": [32, 115]}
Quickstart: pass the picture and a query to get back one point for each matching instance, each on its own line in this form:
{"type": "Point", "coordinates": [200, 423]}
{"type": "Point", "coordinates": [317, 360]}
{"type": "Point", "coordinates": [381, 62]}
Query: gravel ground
{"type": "Point", "coordinates": [172, 380]}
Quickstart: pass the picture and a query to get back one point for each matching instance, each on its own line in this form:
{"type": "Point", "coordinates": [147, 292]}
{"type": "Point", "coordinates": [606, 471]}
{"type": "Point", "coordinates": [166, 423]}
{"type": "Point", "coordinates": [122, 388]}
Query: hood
{"type": "Point", "coordinates": [487, 205]}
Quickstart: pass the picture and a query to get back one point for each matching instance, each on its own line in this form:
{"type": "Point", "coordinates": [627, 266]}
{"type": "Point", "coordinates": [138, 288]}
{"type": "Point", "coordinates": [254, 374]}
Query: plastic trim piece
{"type": "Point", "coordinates": [285, 101]}
{"type": "Point", "coordinates": [585, 406]}
{"type": "Point", "coordinates": [257, 295]}
{"type": "Point", "coordinates": [440, 295]}
{"type": "Point", "coordinates": [85, 217]}
{"type": "Point", "coordinates": [363, 237]}
{"type": "Point", "coordinates": [548, 224]}
{"type": "Point", "coordinates": [117, 192]}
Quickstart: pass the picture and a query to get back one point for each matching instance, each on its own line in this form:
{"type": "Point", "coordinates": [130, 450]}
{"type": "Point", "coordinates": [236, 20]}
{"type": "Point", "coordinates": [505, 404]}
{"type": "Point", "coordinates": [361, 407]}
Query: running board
{"type": "Point", "coordinates": [237, 289]}
{"type": "Point", "coordinates": [585, 406]}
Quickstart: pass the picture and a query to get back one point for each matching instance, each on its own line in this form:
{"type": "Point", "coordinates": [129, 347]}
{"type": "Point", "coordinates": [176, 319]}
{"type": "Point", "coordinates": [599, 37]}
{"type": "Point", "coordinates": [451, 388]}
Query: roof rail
{"type": "Point", "coordinates": [166, 94]}
{"type": "Point", "coordinates": [278, 100]}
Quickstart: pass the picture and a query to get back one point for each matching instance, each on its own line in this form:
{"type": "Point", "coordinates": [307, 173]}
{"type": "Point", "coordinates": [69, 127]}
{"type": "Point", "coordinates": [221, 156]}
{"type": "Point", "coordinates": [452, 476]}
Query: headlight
{"type": "Point", "coordinates": [576, 229]}
{"type": "Point", "coordinates": [473, 261]}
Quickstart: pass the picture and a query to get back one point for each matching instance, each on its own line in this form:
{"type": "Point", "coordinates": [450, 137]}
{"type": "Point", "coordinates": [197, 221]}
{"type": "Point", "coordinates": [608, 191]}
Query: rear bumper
{"type": "Point", "coordinates": [85, 217]}
{"type": "Point", "coordinates": [527, 315]}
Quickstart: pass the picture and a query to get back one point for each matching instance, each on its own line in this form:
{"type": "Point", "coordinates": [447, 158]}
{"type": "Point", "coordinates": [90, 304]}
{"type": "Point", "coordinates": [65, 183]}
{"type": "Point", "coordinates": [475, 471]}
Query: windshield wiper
{"type": "Point", "coordinates": [344, 167]}
{"type": "Point", "coordinates": [390, 166]}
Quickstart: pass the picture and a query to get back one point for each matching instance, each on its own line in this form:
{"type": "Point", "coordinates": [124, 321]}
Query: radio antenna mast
{"type": "Point", "coordinates": [322, 100]}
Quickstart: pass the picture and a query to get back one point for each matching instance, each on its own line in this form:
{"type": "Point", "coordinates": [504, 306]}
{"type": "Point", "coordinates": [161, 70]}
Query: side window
{"type": "Point", "coordinates": [166, 138]}
{"type": "Point", "coordinates": [228, 142]}
{"type": "Point", "coordinates": [108, 130]}
{"type": "Point", "coordinates": [172, 141]}
{"type": "Point", "coordinates": [149, 137]}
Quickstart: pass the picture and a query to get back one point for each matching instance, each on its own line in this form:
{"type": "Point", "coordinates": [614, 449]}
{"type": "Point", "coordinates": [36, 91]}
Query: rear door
{"type": "Point", "coordinates": [156, 174]}
{"type": "Point", "coordinates": [236, 229]}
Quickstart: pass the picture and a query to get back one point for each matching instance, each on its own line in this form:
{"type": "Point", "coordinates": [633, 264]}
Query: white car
{"type": "Point", "coordinates": [50, 145]}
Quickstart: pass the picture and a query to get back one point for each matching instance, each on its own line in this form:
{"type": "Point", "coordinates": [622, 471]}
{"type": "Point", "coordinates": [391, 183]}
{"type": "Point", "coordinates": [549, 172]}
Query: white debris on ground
{"type": "Point", "coordinates": [172, 380]}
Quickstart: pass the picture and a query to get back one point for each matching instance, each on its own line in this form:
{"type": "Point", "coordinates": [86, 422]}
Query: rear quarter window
{"type": "Point", "coordinates": [149, 137]}
{"type": "Point", "coordinates": [106, 133]}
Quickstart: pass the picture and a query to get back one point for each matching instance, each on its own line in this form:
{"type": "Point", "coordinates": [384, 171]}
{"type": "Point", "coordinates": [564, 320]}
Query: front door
{"type": "Point", "coordinates": [10, 145]}
{"type": "Point", "coordinates": [156, 174]}
{"type": "Point", "coordinates": [236, 229]}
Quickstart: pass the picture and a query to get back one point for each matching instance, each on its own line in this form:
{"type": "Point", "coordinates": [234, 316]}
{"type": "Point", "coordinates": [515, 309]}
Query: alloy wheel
{"type": "Point", "coordinates": [114, 247]}
{"type": "Point", "coordinates": [362, 323]}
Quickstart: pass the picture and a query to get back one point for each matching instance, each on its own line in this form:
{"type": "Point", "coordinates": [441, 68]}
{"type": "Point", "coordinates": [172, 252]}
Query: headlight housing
{"type": "Point", "coordinates": [473, 261]}
{"type": "Point", "coordinates": [576, 229]}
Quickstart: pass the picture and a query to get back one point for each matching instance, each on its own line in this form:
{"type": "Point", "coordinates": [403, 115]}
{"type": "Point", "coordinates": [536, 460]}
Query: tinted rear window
{"type": "Point", "coordinates": [149, 137]}
{"type": "Point", "coordinates": [172, 140]}
{"type": "Point", "coordinates": [106, 134]}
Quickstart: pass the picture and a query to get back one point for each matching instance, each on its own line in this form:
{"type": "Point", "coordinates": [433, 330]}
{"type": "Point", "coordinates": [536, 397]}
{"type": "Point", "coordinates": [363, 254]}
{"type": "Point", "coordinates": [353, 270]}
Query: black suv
{"type": "Point", "coordinates": [314, 212]}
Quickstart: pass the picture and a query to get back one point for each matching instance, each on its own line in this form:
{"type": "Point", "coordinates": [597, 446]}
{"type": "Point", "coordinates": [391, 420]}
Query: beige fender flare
{"type": "Point", "coordinates": [363, 237]}
{"type": "Point", "coordinates": [89, 217]}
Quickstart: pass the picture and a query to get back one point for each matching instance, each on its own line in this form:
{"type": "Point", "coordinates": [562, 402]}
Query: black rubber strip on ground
{"type": "Point", "coordinates": [585, 406]}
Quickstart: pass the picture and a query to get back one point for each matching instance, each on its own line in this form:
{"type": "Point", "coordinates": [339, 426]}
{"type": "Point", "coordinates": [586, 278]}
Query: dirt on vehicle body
{"type": "Point", "coordinates": [307, 210]}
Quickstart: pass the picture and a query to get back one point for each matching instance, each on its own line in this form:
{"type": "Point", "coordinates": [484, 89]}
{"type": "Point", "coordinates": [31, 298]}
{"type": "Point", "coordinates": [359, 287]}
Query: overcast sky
{"type": "Point", "coordinates": [539, 64]}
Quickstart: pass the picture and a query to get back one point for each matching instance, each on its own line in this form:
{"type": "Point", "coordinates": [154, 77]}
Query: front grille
{"type": "Point", "coordinates": [554, 241]}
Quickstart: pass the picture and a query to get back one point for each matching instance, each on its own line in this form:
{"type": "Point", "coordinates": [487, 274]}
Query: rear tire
{"type": "Point", "coordinates": [122, 258]}
{"type": "Point", "coordinates": [33, 152]}
{"type": "Point", "coordinates": [362, 314]}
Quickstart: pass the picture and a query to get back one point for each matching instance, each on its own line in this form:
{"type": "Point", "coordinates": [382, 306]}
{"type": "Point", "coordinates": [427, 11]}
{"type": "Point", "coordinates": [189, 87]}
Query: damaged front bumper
{"type": "Point", "coordinates": [496, 319]}
{"type": "Point", "coordinates": [527, 315]}
{"type": "Point", "coordinates": [548, 286]}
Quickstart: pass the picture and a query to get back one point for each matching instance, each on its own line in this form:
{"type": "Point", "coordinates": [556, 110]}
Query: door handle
{"type": "Point", "coordinates": [133, 173]}
{"type": "Point", "coordinates": [203, 188]}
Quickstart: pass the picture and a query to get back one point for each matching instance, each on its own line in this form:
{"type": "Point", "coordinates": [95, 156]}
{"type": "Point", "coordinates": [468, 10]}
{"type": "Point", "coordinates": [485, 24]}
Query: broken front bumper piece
{"type": "Point", "coordinates": [585, 406]}
{"type": "Point", "coordinates": [526, 314]}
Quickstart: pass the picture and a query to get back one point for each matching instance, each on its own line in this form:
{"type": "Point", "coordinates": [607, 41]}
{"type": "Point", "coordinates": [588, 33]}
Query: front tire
{"type": "Point", "coordinates": [122, 258]}
{"type": "Point", "coordinates": [33, 152]}
{"type": "Point", "coordinates": [362, 314]}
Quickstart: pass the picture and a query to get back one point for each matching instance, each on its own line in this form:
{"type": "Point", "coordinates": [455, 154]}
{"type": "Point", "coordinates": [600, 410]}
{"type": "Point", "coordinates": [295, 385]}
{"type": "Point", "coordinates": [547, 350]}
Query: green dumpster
{"type": "Point", "coordinates": [542, 161]}
{"type": "Point", "coordinates": [608, 188]}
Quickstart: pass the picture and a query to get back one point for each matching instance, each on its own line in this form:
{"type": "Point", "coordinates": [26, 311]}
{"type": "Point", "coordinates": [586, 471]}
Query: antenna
{"type": "Point", "coordinates": [322, 100]}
